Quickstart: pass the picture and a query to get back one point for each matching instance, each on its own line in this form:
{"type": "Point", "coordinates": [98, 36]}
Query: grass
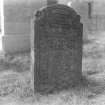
{"type": "Point", "coordinates": [16, 88]}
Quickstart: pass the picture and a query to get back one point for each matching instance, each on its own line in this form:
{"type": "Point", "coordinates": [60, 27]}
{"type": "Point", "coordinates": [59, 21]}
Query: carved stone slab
{"type": "Point", "coordinates": [58, 47]}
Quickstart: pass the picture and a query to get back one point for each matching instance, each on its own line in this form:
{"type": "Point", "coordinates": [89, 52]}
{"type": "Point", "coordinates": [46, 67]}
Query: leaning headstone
{"type": "Point", "coordinates": [57, 48]}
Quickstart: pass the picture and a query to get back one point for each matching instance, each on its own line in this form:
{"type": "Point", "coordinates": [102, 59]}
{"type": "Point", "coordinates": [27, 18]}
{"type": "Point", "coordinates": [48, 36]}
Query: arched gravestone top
{"type": "Point", "coordinates": [58, 47]}
{"type": "Point", "coordinates": [58, 16]}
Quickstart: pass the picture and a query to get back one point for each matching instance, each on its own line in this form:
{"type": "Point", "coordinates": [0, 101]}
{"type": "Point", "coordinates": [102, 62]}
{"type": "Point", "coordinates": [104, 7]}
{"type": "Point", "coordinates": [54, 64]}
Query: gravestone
{"type": "Point", "coordinates": [57, 47]}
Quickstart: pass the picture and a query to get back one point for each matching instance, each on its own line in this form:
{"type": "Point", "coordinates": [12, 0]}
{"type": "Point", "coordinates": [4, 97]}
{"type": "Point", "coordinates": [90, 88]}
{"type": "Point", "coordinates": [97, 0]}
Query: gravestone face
{"type": "Point", "coordinates": [58, 47]}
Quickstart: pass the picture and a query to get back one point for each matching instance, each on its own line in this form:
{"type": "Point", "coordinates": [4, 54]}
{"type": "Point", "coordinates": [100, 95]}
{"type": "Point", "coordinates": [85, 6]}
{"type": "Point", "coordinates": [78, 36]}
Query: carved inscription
{"type": "Point", "coordinates": [57, 43]}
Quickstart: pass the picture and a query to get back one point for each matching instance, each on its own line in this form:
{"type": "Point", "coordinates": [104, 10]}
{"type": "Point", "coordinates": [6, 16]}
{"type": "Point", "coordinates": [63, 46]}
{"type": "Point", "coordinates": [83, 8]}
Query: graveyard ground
{"type": "Point", "coordinates": [15, 76]}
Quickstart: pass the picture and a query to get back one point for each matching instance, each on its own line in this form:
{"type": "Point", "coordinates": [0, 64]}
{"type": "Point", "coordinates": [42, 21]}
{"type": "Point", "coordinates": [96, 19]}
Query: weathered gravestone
{"type": "Point", "coordinates": [58, 47]}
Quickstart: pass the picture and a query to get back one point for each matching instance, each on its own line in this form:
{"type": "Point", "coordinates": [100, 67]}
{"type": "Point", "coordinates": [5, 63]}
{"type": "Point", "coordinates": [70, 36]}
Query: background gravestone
{"type": "Point", "coordinates": [58, 48]}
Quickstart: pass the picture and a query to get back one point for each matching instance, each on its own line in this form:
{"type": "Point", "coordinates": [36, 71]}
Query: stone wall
{"type": "Point", "coordinates": [17, 23]}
